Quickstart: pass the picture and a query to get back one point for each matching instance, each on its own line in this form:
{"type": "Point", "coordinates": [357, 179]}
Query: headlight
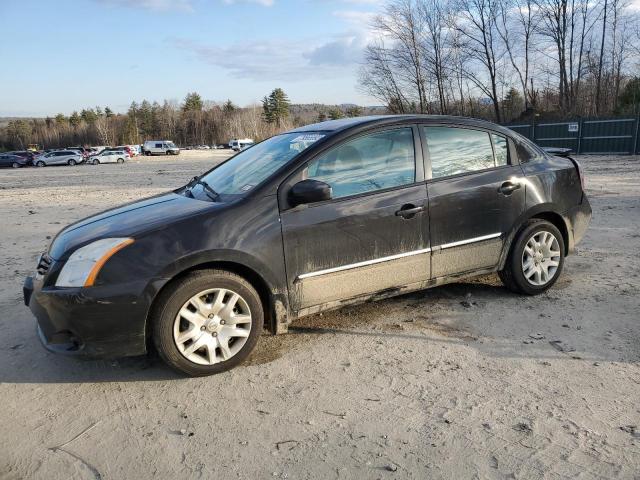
{"type": "Point", "coordinates": [84, 264]}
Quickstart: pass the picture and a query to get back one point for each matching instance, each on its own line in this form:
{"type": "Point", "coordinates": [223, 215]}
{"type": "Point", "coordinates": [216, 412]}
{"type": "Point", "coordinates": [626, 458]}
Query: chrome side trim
{"type": "Point", "coordinates": [395, 257]}
{"type": "Point", "coordinates": [470, 240]}
{"type": "Point", "coordinates": [363, 264]}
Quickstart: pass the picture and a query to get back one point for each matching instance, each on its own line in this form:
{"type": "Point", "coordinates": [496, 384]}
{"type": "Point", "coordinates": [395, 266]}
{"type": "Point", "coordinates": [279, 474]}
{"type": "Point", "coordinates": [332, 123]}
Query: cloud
{"type": "Point", "coordinates": [343, 51]}
{"type": "Point", "coordinates": [154, 5]}
{"type": "Point", "coordinates": [279, 60]}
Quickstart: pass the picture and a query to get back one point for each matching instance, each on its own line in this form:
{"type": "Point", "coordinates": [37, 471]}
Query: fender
{"type": "Point", "coordinates": [278, 312]}
{"type": "Point", "coordinates": [542, 210]}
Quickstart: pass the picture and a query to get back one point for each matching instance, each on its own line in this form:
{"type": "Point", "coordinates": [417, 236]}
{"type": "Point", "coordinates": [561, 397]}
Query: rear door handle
{"type": "Point", "coordinates": [507, 188]}
{"type": "Point", "coordinates": [409, 211]}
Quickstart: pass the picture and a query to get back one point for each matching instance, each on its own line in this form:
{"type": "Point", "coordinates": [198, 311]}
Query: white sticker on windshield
{"type": "Point", "coordinates": [247, 187]}
{"type": "Point", "coordinates": [308, 137]}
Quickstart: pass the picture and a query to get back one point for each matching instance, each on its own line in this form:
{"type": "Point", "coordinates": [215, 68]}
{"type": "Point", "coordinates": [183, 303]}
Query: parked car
{"type": "Point", "coordinates": [11, 160]}
{"type": "Point", "coordinates": [238, 145]}
{"type": "Point", "coordinates": [28, 155]}
{"type": "Point", "coordinates": [160, 147]}
{"type": "Point", "coordinates": [59, 157]}
{"type": "Point", "coordinates": [323, 216]}
{"type": "Point", "coordinates": [109, 156]}
{"type": "Point", "coordinates": [85, 152]}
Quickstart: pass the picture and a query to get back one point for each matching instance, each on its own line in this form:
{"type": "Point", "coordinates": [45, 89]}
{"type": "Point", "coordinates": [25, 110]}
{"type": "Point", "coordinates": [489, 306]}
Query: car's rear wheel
{"type": "Point", "coordinates": [207, 323]}
{"type": "Point", "coordinates": [40, 163]}
{"type": "Point", "coordinates": [16, 165]}
{"type": "Point", "coordinates": [535, 260]}
{"type": "Point", "coordinates": [72, 163]}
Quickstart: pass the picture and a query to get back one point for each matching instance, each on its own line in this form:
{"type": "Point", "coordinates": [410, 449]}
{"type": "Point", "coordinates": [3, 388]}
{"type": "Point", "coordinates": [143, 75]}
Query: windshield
{"type": "Point", "coordinates": [250, 167]}
{"type": "Point", "coordinates": [170, 144]}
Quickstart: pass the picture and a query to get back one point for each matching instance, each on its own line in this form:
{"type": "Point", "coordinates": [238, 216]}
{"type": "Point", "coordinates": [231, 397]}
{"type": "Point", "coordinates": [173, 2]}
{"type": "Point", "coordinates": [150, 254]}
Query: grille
{"type": "Point", "coordinates": [44, 264]}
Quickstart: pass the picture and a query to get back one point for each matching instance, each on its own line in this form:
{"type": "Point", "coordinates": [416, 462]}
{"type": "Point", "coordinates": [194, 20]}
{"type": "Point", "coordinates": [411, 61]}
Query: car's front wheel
{"type": "Point", "coordinates": [207, 323]}
{"type": "Point", "coordinates": [72, 163]}
{"type": "Point", "coordinates": [96, 162]}
{"type": "Point", "coordinates": [536, 258]}
{"type": "Point", "coordinates": [120, 160]}
{"type": "Point", "coordinates": [40, 163]}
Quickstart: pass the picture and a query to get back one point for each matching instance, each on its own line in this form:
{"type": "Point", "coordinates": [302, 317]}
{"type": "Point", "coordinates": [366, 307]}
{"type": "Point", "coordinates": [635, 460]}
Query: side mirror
{"type": "Point", "coordinates": [309, 191]}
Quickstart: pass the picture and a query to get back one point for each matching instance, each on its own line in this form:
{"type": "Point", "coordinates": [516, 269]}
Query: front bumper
{"type": "Point", "coordinates": [104, 322]}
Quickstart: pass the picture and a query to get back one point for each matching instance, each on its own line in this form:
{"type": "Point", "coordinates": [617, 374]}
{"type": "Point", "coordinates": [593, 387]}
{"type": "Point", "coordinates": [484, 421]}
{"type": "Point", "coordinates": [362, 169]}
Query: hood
{"type": "Point", "coordinates": [127, 221]}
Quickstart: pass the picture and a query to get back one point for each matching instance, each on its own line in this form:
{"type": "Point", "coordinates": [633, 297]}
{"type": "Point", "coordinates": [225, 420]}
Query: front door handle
{"type": "Point", "coordinates": [507, 188]}
{"type": "Point", "coordinates": [409, 211]}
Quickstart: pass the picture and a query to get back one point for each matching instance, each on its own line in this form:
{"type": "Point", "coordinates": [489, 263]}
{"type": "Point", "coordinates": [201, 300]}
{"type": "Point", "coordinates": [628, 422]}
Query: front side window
{"type": "Point", "coordinates": [372, 162]}
{"type": "Point", "coordinates": [250, 167]}
{"type": "Point", "coordinates": [454, 151]}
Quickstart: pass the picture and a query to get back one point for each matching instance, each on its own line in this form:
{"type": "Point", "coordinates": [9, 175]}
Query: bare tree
{"type": "Point", "coordinates": [402, 24]}
{"type": "Point", "coordinates": [516, 29]}
{"type": "Point", "coordinates": [477, 24]}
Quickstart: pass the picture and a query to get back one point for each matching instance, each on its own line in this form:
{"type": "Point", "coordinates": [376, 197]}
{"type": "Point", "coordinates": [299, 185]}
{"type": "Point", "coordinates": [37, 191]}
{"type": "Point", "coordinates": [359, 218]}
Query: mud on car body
{"type": "Point", "coordinates": [322, 216]}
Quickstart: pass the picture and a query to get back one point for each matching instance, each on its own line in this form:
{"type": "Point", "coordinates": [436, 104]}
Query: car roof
{"type": "Point", "coordinates": [335, 126]}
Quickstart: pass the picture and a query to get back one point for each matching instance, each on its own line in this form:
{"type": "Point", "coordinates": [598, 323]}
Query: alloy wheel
{"type": "Point", "coordinates": [212, 326]}
{"type": "Point", "coordinates": [541, 258]}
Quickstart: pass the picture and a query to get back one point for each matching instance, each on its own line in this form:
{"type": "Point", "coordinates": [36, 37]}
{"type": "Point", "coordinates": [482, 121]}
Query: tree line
{"type": "Point", "coordinates": [194, 121]}
{"type": "Point", "coordinates": [503, 59]}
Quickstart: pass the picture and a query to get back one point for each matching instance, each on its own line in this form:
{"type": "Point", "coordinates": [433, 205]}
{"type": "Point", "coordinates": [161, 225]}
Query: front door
{"type": "Point", "coordinates": [372, 236]}
{"type": "Point", "coordinates": [476, 195]}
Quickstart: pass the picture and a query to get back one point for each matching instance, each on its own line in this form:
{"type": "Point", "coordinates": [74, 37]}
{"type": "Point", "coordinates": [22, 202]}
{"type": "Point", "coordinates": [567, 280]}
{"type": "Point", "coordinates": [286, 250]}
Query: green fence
{"type": "Point", "coordinates": [585, 135]}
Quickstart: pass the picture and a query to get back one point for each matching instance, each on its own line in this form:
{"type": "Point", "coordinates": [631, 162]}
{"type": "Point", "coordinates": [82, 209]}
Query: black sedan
{"type": "Point", "coordinates": [11, 160]}
{"type": "Point", "coordinates": [316, 218]}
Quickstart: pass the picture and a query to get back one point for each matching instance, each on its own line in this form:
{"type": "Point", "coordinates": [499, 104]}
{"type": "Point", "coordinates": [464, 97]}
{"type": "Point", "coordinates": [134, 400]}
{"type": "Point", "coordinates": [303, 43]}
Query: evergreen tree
{"type": "Point", "coordinates": [335, 113]}
{"type": "Point", "coordinates": [193, 103]}
{"type": "Point", "coordinates": [512, 104]}
{"type": "Point", "coordinates": [276, 107]}
{"type": "Point", "coordinates": [229, 107]}
{"type": "Point", "coordinates": [75, 119]}
{"type": "Point", "coordinates": [89, 116]}
{"type": "Point", "coordinates": [108, 112]}
{"type": "Point", "coordinates": [630, 97]}
{"type": "Point", "coordinates": [354, 111]}
{"type": "Point", "coordinates": [61, 119]}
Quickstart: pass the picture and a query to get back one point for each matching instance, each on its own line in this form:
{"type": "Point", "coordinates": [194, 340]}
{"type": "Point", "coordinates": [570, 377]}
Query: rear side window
{"type": "Point", "coordinates": [455, 151]}
{"type": "Point", "coordinates": [372, 162]}
{"type": "Point", "coordinates": [500, 149]}
{"type": "Point", "coordinates": [525, 154]}
{"type": "Point", "coordinates": [158, 145]}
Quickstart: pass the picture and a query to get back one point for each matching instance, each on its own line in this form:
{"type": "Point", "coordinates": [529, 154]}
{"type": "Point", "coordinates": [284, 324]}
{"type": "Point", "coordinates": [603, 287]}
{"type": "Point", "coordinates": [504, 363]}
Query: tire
{"type": "Point", "coordinates": [96, 162]}
{"type": "Point", "coordinates": [16, 165]}
{"type": "Point", "coordinates": [120, 160]}
{"type": "Point", "coordinates": [549, 258]}
{"type": "Point", "coordinates": [208, 286]}
{"type": "Point", "coordinates": [167, 152]}
{"type": "Point", "coordinates": [40, 163]}
{"type": "Point", "coordinates": [72, 163]}
{"type": "Point", "coordinates": [147, 153]}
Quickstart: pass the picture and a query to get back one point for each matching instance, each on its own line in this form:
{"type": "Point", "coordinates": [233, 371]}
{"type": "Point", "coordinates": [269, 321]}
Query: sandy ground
{"type": "Point", "coordinates": [461, 381]}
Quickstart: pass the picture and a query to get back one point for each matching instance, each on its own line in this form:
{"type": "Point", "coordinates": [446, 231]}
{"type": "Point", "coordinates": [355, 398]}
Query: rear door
{"type": "Point", "coordinates": [372, 236]}
{"type": "Point", "coordinates": [476, 194]}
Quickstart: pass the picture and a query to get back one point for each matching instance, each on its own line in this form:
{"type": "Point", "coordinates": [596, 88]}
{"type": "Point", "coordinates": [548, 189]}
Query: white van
{"type": "Point", "coordinates": [240, 144]}
{"type": "Point", "coordinates": [160, 147]}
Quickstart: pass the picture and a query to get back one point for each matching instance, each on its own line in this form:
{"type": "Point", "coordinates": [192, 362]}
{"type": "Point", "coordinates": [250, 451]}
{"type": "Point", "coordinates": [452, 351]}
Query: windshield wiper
{"type": "Point", "coordinates": [211, 193]}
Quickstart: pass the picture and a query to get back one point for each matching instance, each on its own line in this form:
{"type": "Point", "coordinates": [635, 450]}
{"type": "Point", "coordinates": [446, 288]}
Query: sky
{"type": "Point", "coordinates": [63, 55]}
